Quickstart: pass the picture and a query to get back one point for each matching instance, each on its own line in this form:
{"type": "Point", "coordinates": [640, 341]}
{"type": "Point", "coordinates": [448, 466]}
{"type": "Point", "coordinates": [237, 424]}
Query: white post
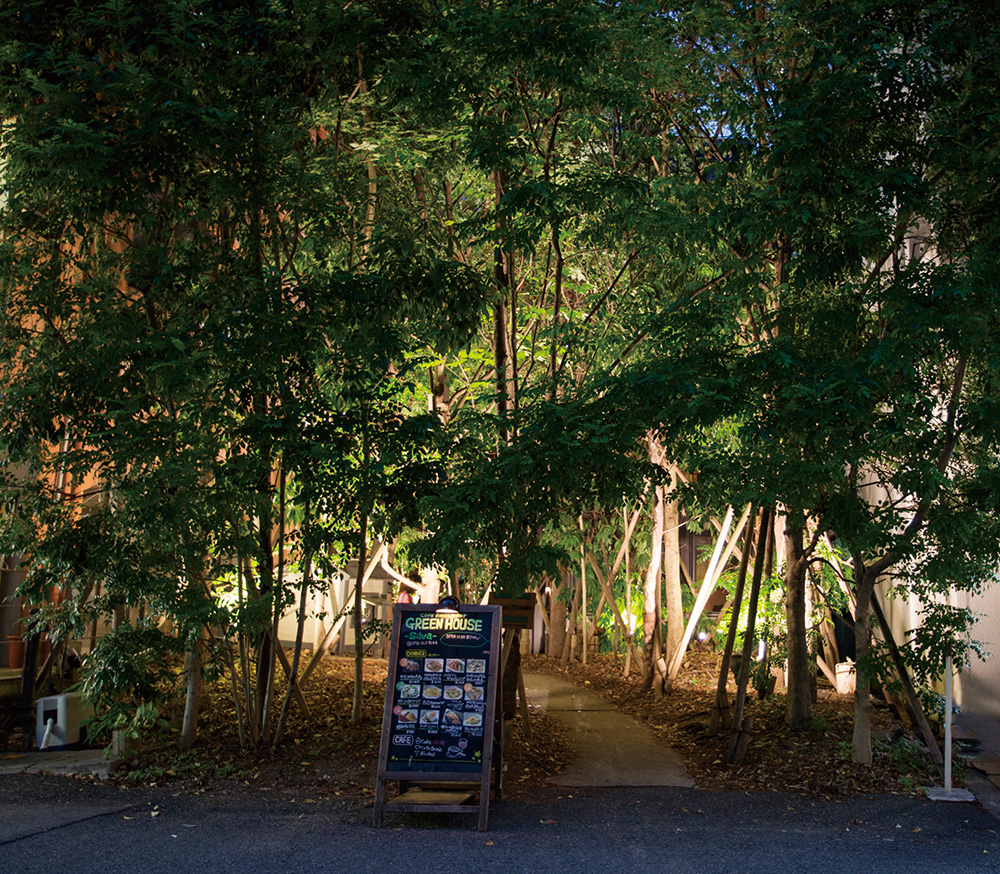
{"type": "Point", "coordinates": [937, 793]}
{"type": "Point", "coordinates": [947, 723]}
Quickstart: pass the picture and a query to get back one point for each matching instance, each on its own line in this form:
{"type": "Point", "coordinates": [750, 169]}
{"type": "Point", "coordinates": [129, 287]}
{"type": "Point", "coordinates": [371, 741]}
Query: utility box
{"type": "Point", "coordinates": [66, 713]}
{"type": "Point", "coordinates": [846, 678]}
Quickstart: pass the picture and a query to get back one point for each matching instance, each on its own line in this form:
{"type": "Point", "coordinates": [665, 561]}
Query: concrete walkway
{"type": "Point", "coordinates": [614, 749]}
{"type": "Point", "coordinates": [61, 762]}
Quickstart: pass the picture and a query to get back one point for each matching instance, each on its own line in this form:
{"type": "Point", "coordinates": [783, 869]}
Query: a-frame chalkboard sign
{"type": "Point", "coordinates": [440, 705]}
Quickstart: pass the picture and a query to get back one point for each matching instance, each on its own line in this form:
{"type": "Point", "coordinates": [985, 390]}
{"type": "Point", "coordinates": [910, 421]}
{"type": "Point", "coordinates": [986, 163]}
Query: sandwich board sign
{"type": "Point", "coordinates": [440, 705]}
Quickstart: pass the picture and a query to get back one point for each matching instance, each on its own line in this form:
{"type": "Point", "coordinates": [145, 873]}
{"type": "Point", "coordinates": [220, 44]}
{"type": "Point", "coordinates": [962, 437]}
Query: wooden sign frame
{"type": "Point", "coordinates": [438, 726]}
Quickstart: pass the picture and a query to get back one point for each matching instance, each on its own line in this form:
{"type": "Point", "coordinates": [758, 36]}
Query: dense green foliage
{"type": "Point", "coordinates": [237, 236]}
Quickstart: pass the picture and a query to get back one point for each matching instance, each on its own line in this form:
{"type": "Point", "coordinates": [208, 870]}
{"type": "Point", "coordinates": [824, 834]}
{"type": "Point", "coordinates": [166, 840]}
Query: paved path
{"type": "Point", "coordinates": [61, 762]}
{"type": "Point", "coordinates": [614, 749]}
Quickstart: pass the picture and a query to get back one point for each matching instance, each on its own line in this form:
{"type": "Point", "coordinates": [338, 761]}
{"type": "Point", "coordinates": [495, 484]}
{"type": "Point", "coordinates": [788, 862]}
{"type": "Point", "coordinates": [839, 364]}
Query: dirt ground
{"type": "Point", "coordinates": [327, 757]}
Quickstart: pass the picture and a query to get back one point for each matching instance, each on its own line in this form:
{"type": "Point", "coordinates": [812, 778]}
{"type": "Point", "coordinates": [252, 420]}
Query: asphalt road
{"type": "Point", "coordinates": [56, 825]}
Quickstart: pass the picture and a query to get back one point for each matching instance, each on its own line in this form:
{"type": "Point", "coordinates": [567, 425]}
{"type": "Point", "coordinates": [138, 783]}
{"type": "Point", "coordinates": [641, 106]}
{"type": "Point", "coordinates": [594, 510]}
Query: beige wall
{"type": "Point", "coordinates": [977, 688]}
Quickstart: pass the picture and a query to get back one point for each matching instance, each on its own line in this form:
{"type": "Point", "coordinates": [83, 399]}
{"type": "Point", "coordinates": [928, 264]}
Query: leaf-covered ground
{"type": "Point", "coordinates": [815, 762]}
{"type": "Point", "coordinates": [327, 757]}
{"type": "Point", "coordinates": [321, 759]}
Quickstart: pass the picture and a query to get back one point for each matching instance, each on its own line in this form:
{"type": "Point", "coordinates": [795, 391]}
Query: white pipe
{"type": "Point", "coordinates": [48, 732]}
{"type": "Point", "coordinates": [947, 723]}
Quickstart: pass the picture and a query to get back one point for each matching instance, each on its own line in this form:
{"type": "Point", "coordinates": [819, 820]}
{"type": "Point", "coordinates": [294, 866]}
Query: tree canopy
{"type": "Point", "coordinates": [238, 240]}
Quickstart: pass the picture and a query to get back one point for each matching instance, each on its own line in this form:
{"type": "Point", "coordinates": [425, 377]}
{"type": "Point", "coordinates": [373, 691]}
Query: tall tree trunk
{"type": "Point", "coordinates": [628, 590]}
{"type": "Point", "coordinates": [192, 697]}
{"type": "Point", "coordinates": [501, 275]}
{"type": "Point", "coordinates": [737, 740]}
{"type": "Point", "coordinates": [299, 630]}
{"type": "Point", "coordinates": [798, 701]}
{"type": "Point", "coordinates": [861, 745]}
{"type": "Point", "coordinates": [651, 589]}
{"type": "Point", "coordinates": [359, 648]}
{"type": "Point", "coordinates": [672, 572]}
{"type": "Point", "coordinates": [720, 712]}
{"type": "Point", "coordinates": [265, 576]}
{"type": "Point", "coordinates": [359, 606]}
{"type": "Point", "coordinates": [571, 631]}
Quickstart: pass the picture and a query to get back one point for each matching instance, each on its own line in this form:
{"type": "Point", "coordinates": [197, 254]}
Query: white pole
{"type": "Point", "coordinates": [947, 723]}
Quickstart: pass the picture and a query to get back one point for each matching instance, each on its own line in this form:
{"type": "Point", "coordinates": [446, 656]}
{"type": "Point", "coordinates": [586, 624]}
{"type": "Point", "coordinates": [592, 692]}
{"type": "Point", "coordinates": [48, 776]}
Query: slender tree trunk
{"type": "Point", "coordinates": [720, 712]}
{"type": "Point", "coordinates": [567, 652]}
{"type": "Point", "coordinates": [440, 392]}
{"type": "Point", "coordinates": [278, 586]}
{"type": "Point", "coordinates": [861, 746]}
{"type": "Point", "coordinates": [265, 575]}
{"type": "Point", "coordinates": [192, 699]}
{"type": "Point", "coordinates": [672, 573]}
{"type": "Point", "coordinates": [359, 648]}
{"type": "Point", "coordinates": [502, 278]}
{"type": "Point", "coordinates": [628, 591]}
{"type": "Point", "coordinates": [584, 623]}
{"type": "Point", "coordinates": [798, 701]}
{"type": "Point", "coordinates": [737, 741]}
{"type": "Point", "coordinates": [557, 302]}
{"type": "Point", "coordinates": [359, 606]}
{"type": "Point", "coordinates": [651, 588]}
{"type": "Point", "coordinates": [297, 654]}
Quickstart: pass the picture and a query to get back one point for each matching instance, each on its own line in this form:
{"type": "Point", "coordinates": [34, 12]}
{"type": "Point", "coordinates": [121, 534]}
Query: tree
{"type": "Point", "coordinates": [201, 305]}
{"type": "Point", "coordinates": [813, 177]}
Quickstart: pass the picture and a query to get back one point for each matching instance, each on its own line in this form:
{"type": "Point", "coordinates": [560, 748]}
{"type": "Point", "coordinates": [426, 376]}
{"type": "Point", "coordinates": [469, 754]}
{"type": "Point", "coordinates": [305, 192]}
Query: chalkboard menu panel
{"type": "Point", "coordinates": [440, 683]}
{"type": "Point", "coordinates": [440, 702]}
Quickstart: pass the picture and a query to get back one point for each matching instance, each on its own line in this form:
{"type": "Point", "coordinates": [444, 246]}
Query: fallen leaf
{"type": "Point", "coordinates": [548, 821]}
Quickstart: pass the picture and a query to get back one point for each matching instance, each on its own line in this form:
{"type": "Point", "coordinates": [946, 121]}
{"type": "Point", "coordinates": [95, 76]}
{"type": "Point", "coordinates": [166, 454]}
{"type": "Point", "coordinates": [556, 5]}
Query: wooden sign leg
{"type": "Point", "coordinates": [379, 802]}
